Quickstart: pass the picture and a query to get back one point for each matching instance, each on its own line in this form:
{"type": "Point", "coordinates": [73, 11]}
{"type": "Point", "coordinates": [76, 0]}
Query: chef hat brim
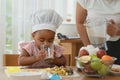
{"type": "Point", "coordinates": [43, 27]}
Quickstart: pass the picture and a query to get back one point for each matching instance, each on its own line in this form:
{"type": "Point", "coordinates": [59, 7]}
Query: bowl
{"type": "Point", "coordinates": [25, 76]}
{"type": "Point", "coordinates": [115, 70]}
{"type": "Point", "coordinates": [93, 68]}
{"type": "Point", "coordinates": [79, 67]}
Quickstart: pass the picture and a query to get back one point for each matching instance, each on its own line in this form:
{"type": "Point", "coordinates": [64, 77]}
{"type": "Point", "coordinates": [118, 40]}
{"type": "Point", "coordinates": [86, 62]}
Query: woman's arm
{"type": "Point", "coordinates": [81, 14]}
{"type": "Point", "coordinates": [118, 32]}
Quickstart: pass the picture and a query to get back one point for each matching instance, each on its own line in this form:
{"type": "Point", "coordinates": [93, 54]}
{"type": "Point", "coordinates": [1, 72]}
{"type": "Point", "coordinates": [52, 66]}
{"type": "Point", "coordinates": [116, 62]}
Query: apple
{"type": "Point", "coordinates": [100, 53]}
{"type": "Point", "coordinates": [93, 56]}
{"type": "Point", "coordinates": [104, 70]}
{"type": "Point", "coordinates": [96, 65]}
{"type": "Point", "coordinates": [87, 69]}
{"type": "Point", "coordinates": [83, 52]}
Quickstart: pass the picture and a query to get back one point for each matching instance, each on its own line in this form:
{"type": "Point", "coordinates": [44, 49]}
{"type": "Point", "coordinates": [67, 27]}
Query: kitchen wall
{"type": "Point", "coordinates": [68, 29]}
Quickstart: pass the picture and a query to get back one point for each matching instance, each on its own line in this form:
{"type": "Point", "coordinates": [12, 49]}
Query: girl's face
{"type": "Point", "coordinates": [43, 37]}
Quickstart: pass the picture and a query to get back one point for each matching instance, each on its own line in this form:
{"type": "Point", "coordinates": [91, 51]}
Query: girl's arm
{"type": "Point", "coordinates": [59, 61]}
{"type": "Point", "coordinates": [25, 59]}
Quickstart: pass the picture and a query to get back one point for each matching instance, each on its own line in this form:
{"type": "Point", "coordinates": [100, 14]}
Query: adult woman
{"type": "Point", "coordinates": [101, 8]}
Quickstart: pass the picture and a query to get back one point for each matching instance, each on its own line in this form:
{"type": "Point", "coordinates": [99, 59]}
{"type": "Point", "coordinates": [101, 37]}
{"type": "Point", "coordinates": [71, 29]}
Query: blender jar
{"type": "Point", "coordinates": [96, 30]}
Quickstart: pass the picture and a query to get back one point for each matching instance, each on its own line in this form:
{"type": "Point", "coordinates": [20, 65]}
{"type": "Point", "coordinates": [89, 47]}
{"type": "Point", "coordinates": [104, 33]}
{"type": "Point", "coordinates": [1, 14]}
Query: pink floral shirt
{"type": "Point", "coordinates": [32, 49]}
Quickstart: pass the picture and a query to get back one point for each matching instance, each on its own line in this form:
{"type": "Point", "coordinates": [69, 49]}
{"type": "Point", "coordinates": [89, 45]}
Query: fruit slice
{"type": "Point", "coordinates": [85, 59]}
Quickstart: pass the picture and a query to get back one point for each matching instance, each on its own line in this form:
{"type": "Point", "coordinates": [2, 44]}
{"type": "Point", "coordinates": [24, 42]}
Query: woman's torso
{"type": "Point", "coordinates": [110, 9]}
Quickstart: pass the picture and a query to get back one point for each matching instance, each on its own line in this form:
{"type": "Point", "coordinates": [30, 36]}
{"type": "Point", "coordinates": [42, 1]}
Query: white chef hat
{"type": "Point", "coordinates": [46, 19]}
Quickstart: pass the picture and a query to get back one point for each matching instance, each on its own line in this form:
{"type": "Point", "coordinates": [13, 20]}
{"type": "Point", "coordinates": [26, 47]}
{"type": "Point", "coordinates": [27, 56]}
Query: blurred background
{"type": "Point", "coordinates": [14, 25]}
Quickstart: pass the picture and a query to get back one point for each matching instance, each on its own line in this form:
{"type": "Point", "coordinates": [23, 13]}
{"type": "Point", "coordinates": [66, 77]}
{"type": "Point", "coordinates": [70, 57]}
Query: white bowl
{"type": "Point", "coordinates": [115, 66]}
{"type": "Point", "coordinates": [25, 76]}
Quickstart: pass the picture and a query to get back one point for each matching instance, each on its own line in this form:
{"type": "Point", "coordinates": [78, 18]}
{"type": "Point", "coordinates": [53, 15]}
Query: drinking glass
{"type": "Point", "coordinates": [48, 50]}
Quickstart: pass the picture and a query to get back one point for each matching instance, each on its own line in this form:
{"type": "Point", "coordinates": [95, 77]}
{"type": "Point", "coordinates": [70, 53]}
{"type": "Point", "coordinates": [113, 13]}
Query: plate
{"type": "Point", "coordinates": [25, 76]}
{"type": "Point", "coordinates": [75, 74]}
{"type": "Point", "coordinates": [115, 69]}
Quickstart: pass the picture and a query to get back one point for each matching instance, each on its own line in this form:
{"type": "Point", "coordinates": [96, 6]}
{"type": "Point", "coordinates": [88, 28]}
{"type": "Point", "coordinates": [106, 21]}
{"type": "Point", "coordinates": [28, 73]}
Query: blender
{"type": "Point", "coordinates": [96, 30]}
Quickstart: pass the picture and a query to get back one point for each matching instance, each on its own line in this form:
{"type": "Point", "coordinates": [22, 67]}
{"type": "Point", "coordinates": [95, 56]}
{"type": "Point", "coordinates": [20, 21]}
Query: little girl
{"type": "Point", "coordinates": [43, 32]}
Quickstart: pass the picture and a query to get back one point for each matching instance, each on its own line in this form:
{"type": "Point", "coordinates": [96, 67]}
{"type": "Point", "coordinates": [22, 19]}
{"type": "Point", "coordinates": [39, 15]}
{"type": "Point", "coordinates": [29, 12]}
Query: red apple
{"type": "Point", "coordinates": [83, 52]}
{"type": "Point", "coordinates": [100, 53]}
{"type": "Point", "coordinates": [87, 69]}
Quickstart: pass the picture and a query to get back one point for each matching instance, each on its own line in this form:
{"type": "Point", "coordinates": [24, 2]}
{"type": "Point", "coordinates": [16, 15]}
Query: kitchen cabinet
{"type": "Point", "coordinates": [72, 47]}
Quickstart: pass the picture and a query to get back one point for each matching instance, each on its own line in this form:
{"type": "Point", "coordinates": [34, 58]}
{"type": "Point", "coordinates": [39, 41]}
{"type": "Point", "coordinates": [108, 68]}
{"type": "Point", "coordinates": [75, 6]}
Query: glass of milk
{"type": "Point", "coordinates": [49, 50]}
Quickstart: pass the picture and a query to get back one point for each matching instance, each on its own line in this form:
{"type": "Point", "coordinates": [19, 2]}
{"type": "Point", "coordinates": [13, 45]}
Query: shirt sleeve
{"type": "Point", "coordinates": [58, 50]}
{"type": "Point", "coordinates": [26, 45]}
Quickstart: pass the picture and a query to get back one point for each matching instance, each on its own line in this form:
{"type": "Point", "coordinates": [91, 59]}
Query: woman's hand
{"type": "Point", "coordinates": [112, 28]}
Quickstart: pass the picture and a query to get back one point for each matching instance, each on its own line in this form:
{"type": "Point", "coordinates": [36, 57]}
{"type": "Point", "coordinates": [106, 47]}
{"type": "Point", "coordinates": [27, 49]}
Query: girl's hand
{"type": "Point", "coordinates": [41, 55]}
{"type": "Point", "coordinates": [112, 28]}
